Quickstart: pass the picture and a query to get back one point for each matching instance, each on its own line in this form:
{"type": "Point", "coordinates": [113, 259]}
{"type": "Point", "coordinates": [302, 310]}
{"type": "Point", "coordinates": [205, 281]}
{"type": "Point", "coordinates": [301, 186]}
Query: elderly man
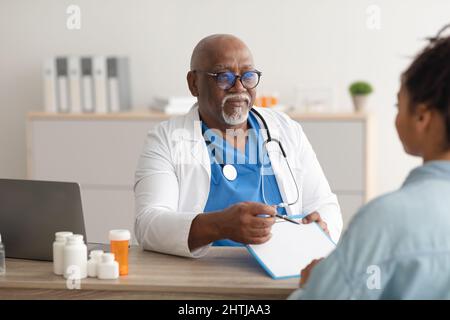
{"type": "Point", "coordinates": [221, 173]}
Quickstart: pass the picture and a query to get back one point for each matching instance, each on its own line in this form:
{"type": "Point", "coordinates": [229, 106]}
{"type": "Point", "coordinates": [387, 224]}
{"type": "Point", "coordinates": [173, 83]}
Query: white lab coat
{"type": "Point", "coordinates": [174, 172]}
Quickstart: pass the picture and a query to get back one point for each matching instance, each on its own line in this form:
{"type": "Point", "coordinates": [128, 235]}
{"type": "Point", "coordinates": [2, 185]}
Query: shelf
{"type": "Point", "coordinates": [153, 115]}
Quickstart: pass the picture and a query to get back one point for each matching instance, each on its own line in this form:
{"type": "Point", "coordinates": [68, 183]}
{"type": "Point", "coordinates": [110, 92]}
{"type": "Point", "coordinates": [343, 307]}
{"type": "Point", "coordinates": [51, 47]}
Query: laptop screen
{"type": "Point", "coordinates": [32, 211]}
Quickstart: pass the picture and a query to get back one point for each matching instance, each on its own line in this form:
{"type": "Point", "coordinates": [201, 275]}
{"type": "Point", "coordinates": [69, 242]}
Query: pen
{"type": "Point", "coordinates": [286, 218]}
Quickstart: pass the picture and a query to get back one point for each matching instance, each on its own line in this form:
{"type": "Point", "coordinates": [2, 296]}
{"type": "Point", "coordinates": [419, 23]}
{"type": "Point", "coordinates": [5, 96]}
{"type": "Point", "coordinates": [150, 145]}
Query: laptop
{"type": "Point", "coordinates": [32, 211]}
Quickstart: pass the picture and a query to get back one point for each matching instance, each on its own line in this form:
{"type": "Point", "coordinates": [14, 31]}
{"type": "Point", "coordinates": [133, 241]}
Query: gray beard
{"type": "Point", "coordinates": [239, 116]}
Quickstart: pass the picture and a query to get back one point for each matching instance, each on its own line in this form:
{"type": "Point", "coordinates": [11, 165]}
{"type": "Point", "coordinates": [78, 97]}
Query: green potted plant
{"type": "Point", "coordinates": [359, 91]}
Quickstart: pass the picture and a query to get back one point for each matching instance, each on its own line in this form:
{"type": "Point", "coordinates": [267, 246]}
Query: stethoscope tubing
{"type": "Point", "coordinates": [270, 139]}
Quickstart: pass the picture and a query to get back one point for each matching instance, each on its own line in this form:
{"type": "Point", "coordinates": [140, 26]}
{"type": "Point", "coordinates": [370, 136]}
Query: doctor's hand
{"type": "Point", "coordinates": [315, 217]}
{"type": "Point", "coordinates": [241, 222]}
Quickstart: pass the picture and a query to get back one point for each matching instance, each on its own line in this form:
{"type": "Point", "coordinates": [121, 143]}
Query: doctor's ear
{"type": "Point", "coordinates": [192, 83]}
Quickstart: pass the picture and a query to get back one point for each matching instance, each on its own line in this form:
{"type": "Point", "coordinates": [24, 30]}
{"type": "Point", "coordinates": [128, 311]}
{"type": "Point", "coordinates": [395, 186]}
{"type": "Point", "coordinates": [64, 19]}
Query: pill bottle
{"type": "Point", "coordinates": [75, 257]}
{"type": "Point", "coordinates": [2, 258]}
{"type": "Point", "coordinates": [119, 242]}
{"type": "Point", "coordinates": [95, 256]}
{"type": "Point", "coordinates": [58, 251]}
{"type": "Point", "coordinates": [108, 268]}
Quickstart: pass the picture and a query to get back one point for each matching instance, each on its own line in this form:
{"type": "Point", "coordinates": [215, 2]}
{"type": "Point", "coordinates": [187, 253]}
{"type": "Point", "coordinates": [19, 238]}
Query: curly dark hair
{"type": "Point", "coordinates": [427, 80]}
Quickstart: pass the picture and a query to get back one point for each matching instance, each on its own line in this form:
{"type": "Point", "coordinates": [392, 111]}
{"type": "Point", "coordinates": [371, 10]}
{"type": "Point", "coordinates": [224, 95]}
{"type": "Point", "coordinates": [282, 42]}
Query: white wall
{"type": "Point", "coordinates": [294, 42]}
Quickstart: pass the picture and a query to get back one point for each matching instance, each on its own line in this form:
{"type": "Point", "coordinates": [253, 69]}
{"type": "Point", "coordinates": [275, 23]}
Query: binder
{"type": "Point", "coordinates": [62, 84]}
{"type": "Point", "coordinates": [101, 99]}
{"type": "Point", "coordinates": [49, 75]}
{"type": "Point", "coordinates": [74, 84]}
{"type": "Point", "coordinates": [291, 248]}
{"type": "Point", "coordinates": [87, 85]}
{"type": "Point", "coordinates": [118, 82]}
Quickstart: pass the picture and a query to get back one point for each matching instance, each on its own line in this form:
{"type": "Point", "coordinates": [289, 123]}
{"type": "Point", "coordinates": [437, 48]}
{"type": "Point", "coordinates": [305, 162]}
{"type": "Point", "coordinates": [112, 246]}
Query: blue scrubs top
{"type": "Point", "coordinates": [248, 184]}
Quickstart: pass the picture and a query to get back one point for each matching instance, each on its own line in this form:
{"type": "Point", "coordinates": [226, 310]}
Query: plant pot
{"type": "Point", "coordinates": [360, 102]}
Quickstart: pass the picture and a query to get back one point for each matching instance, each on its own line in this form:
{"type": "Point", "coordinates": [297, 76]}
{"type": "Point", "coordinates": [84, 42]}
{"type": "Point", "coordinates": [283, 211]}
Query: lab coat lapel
{"type": "Point", "coordinates": [197, 146]}
{"type": "Point", "coordinates": [282, 174]}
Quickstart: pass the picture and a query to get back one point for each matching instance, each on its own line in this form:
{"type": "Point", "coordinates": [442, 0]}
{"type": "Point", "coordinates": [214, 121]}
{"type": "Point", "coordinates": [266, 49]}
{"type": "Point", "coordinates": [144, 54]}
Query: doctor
{"type": "Point", "coordinates": [219, 174]}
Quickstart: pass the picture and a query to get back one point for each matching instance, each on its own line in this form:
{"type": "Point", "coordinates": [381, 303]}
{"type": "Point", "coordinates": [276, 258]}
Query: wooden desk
{"type": "Point", "coordinates": [225, 273]}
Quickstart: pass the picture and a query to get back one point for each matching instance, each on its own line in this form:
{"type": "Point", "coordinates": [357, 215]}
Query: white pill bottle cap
{"type": "Point", "coordinates": [108, 257]}
{"type": "Point", "coordinates": [119, 235]}
{"type": "Point", "coordinates": [75, 239]}
{"type": "Point", "coordinates": [96, 254]}
{"type": "Point", "coordinates": [63, 235]}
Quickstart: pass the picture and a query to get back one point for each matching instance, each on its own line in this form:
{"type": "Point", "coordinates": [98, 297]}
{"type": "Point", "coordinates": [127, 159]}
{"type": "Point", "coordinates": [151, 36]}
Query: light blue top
{"type": "Point", "coordinates": [247, 186]}
{"type": "Point", "coordinates": [396, 247]}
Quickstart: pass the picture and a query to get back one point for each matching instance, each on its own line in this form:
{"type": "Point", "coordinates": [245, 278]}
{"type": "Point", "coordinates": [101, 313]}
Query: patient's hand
{"type": "Point", "coordinates": [304, 274]}
{"type": "Point", "coordinates": [315, 217]}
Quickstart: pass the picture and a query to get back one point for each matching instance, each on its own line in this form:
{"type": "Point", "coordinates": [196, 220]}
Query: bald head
{"type": "Point", "coordinates": [209, 50]}
{"type": "Point", "coordinates": [219, 107]}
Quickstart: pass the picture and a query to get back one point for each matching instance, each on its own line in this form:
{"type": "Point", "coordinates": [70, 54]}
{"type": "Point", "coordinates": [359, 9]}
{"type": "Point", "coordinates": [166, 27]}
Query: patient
{"type": "Point", "coordinates": [398, 246]}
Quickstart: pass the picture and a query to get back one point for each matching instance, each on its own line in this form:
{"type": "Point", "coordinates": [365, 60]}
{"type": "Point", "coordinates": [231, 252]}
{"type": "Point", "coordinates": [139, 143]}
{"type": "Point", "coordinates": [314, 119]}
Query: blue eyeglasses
{"type": "Point", "coordinates": [227, 80]}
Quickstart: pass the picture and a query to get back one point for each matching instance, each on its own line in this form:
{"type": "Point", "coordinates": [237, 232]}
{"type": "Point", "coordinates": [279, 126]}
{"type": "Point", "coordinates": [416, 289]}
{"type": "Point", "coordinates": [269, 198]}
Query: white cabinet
{"type": "Point", "coordinates": [91, 152]}
{"type": "Point", "coordinates": [101, 152]}
{"type": "Point", "coordinates": [342, 147]}
{"type": "Point", "coordinates": [339, 146]}
{"type": "Point", "coordinates": [105, 209]}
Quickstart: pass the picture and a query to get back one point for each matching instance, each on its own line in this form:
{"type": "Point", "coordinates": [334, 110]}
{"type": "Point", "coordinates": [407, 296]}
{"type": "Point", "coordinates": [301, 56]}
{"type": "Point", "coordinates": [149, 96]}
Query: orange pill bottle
{"type": "Point", "coordinates": [119, 241]}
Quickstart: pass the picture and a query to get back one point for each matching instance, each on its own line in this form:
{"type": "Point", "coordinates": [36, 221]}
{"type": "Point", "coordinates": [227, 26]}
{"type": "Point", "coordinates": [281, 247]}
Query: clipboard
{"type": "Point", "coordinates": [291, 248]}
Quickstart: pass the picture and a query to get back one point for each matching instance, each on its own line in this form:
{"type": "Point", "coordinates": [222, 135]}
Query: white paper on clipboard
{"type": "Point", "coordinates": [291, 248]}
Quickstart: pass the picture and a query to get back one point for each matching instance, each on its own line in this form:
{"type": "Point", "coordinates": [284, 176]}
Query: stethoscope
{"type": "Point", "coordinates": [230, 172]}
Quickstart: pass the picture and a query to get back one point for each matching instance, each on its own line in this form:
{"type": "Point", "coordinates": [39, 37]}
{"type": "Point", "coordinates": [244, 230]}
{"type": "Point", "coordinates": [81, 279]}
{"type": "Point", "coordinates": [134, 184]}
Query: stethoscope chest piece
{"type": "Point", "coordinates": [230, 172]}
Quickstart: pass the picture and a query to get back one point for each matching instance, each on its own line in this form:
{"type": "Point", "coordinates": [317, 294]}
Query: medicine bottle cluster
{"type": "Point", "coordinates": [70, 257]}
